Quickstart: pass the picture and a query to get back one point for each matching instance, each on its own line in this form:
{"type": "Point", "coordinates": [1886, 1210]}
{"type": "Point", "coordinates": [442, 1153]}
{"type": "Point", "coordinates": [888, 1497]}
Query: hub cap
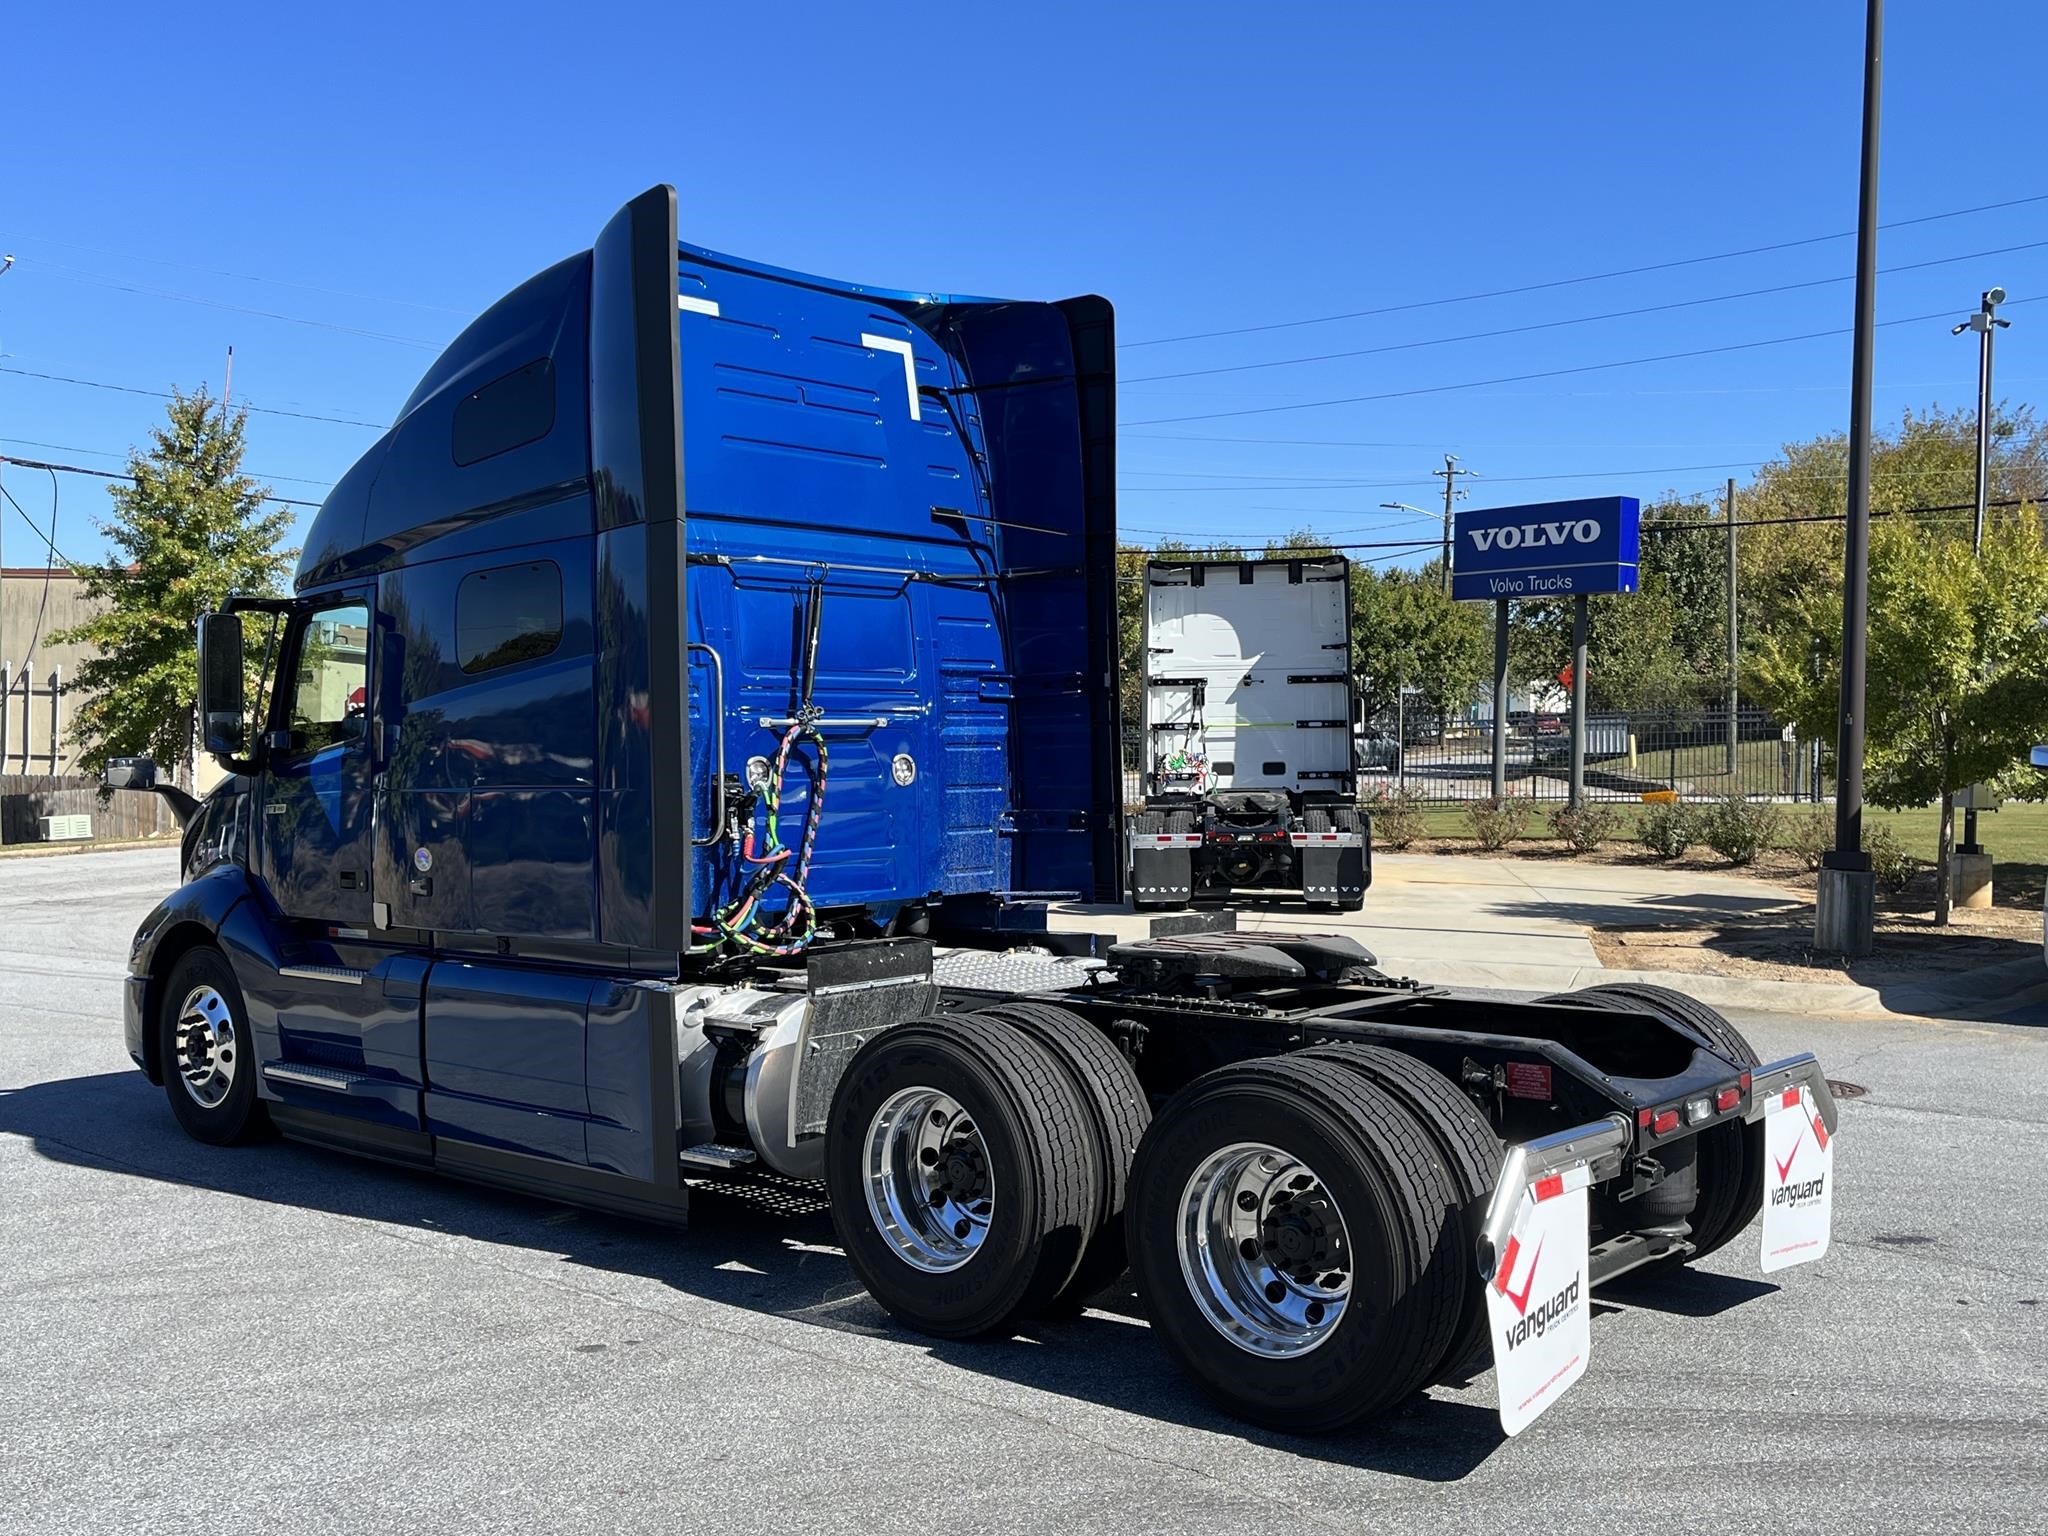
{"type": "Point", "coordinates": [928, 1183]}
{"type": "Point", "coordinates": [207, 1047]}
{"type": "Point", "coordinates": [1264, 1251]}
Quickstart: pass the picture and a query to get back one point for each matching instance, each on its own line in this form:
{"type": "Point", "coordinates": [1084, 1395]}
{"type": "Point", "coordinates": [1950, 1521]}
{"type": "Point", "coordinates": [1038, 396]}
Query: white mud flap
{"type": "Point", "coordinates": [1799, 1181]}
{"type": "Point", "coordinates": [1539, 1301]}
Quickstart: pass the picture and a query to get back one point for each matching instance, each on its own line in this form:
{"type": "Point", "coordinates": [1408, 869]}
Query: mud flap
{"type": "Point", "coordinates": [1539, 1302]}
{"type": "Point", "coordinates": [1799, 1181]}
{"type": "Point", "coordinates": [1163, 867]}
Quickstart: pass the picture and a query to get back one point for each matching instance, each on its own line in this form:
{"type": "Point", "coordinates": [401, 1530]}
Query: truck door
{"type": "Point", "coordinates": [315, 838]}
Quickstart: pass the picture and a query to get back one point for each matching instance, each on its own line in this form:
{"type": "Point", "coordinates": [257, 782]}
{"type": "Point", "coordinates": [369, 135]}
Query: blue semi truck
{"type": "Point", "coordinates": [659, 773]}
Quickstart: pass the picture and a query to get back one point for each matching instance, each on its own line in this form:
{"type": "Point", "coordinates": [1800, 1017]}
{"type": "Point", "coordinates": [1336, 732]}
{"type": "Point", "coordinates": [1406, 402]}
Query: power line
{"type": "Point", "coordinates": [158, 394]}
{"type": "Point", "coordinates": [1568, 282]}
{"type": "Point", "coordinates": [1551, 325]}
{"type": "Point", "coordinates": [108, 474]}
{"type": "Point", "coordinates": [104, 453]}
{"type": "Point", "coordinates": [246, 277]}
{"type": "Point", "coordinates": [1547, 373]}
{"type": "Point", "coordinates": [74, 275]}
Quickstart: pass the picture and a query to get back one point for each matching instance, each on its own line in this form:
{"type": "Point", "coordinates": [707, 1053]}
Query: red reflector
{"type": "Point", "coordinates": [1550, 1188]}
{"type": "Point", "coordinates": [1745, 1082]}
{"type": "Point", "coordinates": [1728, 1099]}
{"type": "Point", "coordinates": [1790, 1100]}
{"type": "Point", "coordinates": [1666, 1121]}
{"type": "Point", "coordinates": [1528, 1080]}
{"type": "Point", "coordinates": [1643, 1118]}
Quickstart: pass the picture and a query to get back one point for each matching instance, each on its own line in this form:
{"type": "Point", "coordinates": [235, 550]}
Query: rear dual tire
{"type": "Point", "coordinates": [1299, 1243]}
{"type": "Point", "coordinates": [968, 1178]}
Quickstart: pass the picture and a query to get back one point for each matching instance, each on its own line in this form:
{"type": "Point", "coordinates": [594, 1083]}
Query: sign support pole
{"type": "Point", "coordinates": [1577, 793]}
{"type": "Point", "coordinates": [1500, 698]}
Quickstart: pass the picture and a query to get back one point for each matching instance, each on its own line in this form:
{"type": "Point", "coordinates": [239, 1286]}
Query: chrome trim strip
{"type": "Point", "coordinates": [1773, 1078]}
{"type": "Point", "coordinates": [1598, 1144]}
{"type": "Point", "coordinates": [346, 975]}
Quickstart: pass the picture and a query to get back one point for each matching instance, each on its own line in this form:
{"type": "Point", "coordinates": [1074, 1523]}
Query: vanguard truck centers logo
{"type": "Point", "coordinates": [1536, 1304]}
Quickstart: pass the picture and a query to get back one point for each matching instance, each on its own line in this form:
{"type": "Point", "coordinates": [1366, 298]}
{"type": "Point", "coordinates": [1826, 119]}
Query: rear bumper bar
{"type": "Point", "coordinates": [1601, 1147]}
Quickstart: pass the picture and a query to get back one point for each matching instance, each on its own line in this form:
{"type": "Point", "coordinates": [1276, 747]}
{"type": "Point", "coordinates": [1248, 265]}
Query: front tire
{"type": "Point", "coordinates": [208, 1051]}
{"type": "Point", "coordinates": [963, 1175]}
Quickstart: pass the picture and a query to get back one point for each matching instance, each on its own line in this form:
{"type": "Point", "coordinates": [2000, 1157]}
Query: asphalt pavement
{"type": "Point", "coordinates": [272, 1338]}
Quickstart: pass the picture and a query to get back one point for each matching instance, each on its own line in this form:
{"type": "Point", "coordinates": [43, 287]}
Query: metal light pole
{"type": "Point", "coordinates": [1986, 324]}
{"type": "Point", "coordinates": [1843, 909]}
{"type": "Point", "coordinates": [1449, 474]}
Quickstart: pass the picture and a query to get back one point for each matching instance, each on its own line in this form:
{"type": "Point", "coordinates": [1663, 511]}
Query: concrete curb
{"type": "Point", "coordinates": [65, 850]}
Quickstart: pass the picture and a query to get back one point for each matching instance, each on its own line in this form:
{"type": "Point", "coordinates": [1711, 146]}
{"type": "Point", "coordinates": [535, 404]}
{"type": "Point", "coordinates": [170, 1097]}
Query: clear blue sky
{"type": "Point", "coordinates": [392, 169]}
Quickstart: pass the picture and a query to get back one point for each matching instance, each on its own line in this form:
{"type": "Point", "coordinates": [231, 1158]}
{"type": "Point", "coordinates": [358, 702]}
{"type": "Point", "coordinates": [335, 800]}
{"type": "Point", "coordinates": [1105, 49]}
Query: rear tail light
{"type": "Point", "coordinates": [1728, 1099]}
{"type": "Point", "coordinates": [1665, 1123]}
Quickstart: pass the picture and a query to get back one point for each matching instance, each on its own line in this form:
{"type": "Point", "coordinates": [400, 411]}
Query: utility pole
{"type": "Point", "coordinates": [227, 383]}
{"type": "Point", "coordinates": [1734, 693]}
{"type": "Point", "coordinates": [1845, 899]}
{"type": "Point", "coordinates": [1986, 324]}
{"type": "Point", "coordinates": [1449, 475]}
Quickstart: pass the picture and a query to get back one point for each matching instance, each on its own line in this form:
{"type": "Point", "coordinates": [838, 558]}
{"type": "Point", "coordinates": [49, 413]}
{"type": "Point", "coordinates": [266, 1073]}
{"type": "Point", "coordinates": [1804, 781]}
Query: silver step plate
{"type": "Point", "coordinates": [717, 1154]}
{"type": "Point", "coordinates": [305, 1075]}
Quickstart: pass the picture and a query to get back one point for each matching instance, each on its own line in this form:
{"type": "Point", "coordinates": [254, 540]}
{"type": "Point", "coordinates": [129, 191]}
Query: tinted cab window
{"type": "Point", "coordinates": [330, 689]}
{"type": "Point", "coordinates": [513, 613]}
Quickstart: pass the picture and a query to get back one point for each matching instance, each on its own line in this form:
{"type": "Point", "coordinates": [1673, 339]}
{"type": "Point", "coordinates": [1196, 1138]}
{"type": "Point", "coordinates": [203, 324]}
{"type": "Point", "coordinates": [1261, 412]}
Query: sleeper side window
{"type": "Point", "coordinates": [330, 689]}
{"type": "Point", "coordinates": [512, 613]}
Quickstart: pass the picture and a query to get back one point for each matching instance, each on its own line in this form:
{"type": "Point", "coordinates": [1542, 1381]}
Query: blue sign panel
{"type": "Point", "coordinates": [1552, 549]}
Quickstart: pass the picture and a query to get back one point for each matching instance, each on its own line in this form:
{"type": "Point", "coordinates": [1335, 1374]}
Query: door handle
{"type": "Point", "coordinates": [717, 743]}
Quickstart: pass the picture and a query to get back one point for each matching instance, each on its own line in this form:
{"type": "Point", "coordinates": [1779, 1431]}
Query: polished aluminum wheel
{"type": "Point", "coordinates": [208, 1046]}
{"type": "Point", "coordinates": [929, 1187]}
{"type": "Point", "coordinates": [1264, 1250]}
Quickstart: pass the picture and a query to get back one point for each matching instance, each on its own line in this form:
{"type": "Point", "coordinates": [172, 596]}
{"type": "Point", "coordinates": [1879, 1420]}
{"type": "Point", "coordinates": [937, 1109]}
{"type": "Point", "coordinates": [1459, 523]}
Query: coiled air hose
{"type": "Point", "coordinates": [743, 923]}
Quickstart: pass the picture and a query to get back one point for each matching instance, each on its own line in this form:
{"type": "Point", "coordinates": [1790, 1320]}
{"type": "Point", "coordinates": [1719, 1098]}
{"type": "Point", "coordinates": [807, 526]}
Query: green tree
{"type": "Point", "coordinates": [191, 530]}
{"type": "Point", "coordinates": [1407, 633]}
{"type": "Point", "coordinates": [1957, 670]}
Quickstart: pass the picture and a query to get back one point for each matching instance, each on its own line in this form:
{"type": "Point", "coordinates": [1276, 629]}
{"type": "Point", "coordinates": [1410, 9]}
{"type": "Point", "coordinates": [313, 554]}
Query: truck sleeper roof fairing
{"type": "Point", "coordinates": [731, 442]}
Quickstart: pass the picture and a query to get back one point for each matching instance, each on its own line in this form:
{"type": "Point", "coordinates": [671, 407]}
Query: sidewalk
{"type": "Point", "coordinates": [1522, 924]}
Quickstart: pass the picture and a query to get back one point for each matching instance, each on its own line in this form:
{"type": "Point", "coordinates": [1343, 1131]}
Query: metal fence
{"type": "Point", "coordinates": [1686, 752]}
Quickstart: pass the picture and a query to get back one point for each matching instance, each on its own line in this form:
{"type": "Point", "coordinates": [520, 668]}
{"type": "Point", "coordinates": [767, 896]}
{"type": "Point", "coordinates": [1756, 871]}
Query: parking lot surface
{"type": "Point", "coordinates": [277, 1339]}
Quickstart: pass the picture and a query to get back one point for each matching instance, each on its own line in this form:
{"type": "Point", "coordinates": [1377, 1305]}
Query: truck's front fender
{"type": "Point", "coordinates": [189, 916]}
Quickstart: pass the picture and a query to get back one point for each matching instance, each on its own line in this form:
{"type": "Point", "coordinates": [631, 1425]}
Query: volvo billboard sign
{"type": "Point", "coordinates": [1549, 550]}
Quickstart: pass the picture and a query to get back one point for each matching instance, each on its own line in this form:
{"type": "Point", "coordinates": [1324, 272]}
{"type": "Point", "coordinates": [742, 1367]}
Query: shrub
{"type": "Point", "coordinates": [1667, 828]}
{"type": "Point", "coordinates": [1585, 828]}
{"type": "Point", "coordinates": [1888, 861]}
{"type": "Point", "coordinates": [1497, 822]}
{"type": "Point", "coordinates": [1738, 829]}
{"type": "Point", "coordinates": [1396, 818]}
{"type": "Point", "coordinates": [1808, 835]}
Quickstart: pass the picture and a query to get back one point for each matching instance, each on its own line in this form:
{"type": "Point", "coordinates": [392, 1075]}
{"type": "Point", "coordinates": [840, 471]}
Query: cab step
{"type": "Point", "coordinates": [717, 1154]}
{"type": "Point", "coordinates": [306, 1075]}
